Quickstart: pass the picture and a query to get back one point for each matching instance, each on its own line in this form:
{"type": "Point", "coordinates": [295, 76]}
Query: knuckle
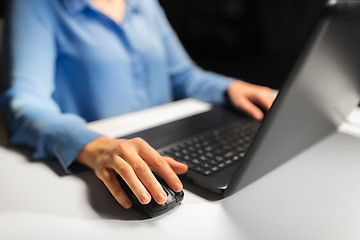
{"type": "Point", "coordinates": [117, 191]}
{"type": "Point", "coordinates": [121, 167]}
{"type": "Point", "coordinates": [140, 167]}
{"type": "Point", "coordinates": [104, 175]}
{"type": "Point", "coordinates": [138, 141]}
{"type": "Point", "coordinates": [123, 149]}
{"type": "Point", "coordinates": [159, 162]}
{"type": "Point", "coordinates": [152, 184]}
{"type": "Point", "coordinates": [121, 146]}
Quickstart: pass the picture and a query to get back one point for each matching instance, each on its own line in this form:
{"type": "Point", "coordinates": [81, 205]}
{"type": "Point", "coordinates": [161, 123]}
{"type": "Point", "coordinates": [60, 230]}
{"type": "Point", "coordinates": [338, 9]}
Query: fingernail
{"type": "Point", "coordinates": [145, 198]}
{"type": "Point", "coordinates": [259, 116]}
{"type": "Point", "coordinates": [179, 187]}
{"type": "Point", "coordinates": [127, 204]}
{"type": "Point", "coordinates": [161, 198]}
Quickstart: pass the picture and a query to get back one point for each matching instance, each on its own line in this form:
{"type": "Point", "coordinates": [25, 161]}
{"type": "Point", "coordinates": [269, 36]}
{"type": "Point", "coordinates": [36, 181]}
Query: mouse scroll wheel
{"type": "Point", "coordinates": [167, 190]}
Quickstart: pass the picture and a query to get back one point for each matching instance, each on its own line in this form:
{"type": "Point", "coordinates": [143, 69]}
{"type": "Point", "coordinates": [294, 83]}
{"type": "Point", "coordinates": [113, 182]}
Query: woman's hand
{"type": "Point", "coordinates": [251, 98]}
{"type": "Point", "coordinates": [131, 159]}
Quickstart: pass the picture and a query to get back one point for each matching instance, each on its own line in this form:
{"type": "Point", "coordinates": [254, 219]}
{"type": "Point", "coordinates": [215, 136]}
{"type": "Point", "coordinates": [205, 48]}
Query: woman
{"type": "Point", "coordinates": [73, 61]}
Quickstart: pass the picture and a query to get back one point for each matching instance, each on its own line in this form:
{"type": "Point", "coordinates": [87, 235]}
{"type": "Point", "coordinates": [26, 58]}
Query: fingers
{"type": "Point", "coordinates": [161, 165]}
{"type": "Point", "coordinates": [178, 167]}
{"type": "Point", "coordinates": [251, 98]}
{"type": "Point", "coordinates": [145, 180]}
{"type": "Point", "coordinates": [140, 155]}
{"type": "Point", "coordinates": [139, 176]}
{"type": "Point", "coordinates": [250, 108]}
{"type": "Point", "coordinates": [110, 181]}
{"type": "Point", "coordinates": [132, 159]}
{"type": "Point", "coordinates": [264, 98]}
{"type": "Point", "coordinates": [127, 173]}
{"type": "Point", "coordinates": [167, 173]}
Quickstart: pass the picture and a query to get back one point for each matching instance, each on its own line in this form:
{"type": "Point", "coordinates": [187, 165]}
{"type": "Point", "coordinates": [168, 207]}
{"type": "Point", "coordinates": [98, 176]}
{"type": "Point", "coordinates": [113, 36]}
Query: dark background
{"type": "Point", "coordinates": [3, 6]}
{"type": "Point", "coordinates": [254, 40]}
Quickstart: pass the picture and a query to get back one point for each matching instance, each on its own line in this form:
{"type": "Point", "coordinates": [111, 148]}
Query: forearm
{"type": "Point", "coordinates": [201, 84]}
{"type": "Point", "coordinates": [48, 132]}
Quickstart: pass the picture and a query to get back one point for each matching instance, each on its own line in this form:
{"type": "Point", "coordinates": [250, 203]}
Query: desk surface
{"type": "Point", "coordinates": [315, 195]}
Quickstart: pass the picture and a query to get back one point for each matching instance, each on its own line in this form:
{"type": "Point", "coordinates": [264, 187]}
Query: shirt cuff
{"type": "Point", "coordinates": [64, 138]}
{"type": "Point", "coordinates": [218, 86]}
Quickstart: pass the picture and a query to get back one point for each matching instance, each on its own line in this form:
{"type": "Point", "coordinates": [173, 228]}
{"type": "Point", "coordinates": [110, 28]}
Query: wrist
{"type": "Point", "coordinates": [94, 151]}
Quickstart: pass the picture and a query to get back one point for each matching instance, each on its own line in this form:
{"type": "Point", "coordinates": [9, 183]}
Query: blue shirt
{"type": "Point", "coordinates": [69, 64]}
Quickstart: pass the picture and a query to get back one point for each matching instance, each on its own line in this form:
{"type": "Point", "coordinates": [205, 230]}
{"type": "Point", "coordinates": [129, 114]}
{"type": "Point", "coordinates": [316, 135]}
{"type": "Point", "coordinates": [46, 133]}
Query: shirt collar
{"type": "Point", "coordinates": [77, 5]}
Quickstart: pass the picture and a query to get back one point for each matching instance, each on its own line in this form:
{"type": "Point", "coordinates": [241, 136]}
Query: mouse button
{"type": "Point", "coordinates": [179, 196]}
{"type": "Point", "coordinates": [154, 207]}
{"type": "Point", "coordinates": [167, 190]}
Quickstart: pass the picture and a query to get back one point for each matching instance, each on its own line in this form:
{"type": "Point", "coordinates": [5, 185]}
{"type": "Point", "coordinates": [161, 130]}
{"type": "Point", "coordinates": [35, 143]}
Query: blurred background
{"type": "Point", "coordinates": [254, 40]}
{"type": "Point", "coordinates": [3, 4]}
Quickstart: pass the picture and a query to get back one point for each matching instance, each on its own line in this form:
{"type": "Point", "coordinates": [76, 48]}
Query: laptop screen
{"type": "Point", "coordinates": [320, 92]}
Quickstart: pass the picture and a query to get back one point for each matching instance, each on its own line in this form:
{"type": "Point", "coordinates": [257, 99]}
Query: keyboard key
{"type": "Point", "coordinates": [214, 150]}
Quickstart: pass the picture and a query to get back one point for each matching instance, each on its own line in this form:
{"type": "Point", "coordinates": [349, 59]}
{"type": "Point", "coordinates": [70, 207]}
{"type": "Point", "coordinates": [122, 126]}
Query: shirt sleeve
{"type": "Point", "coordinates": [34, 117]}
{"type": "Point", "coordinates": [188, 79]}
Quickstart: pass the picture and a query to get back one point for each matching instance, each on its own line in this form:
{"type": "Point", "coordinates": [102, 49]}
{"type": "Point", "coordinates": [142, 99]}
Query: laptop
{"type": "Point", "coordinates": [226, 150]}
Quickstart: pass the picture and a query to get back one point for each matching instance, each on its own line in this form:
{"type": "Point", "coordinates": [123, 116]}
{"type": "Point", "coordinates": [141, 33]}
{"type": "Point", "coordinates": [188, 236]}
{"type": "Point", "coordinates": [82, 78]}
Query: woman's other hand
{"type": "Point", "coordinates": [251, 98]}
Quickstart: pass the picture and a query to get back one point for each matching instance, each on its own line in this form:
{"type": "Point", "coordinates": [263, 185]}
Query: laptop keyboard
{"type": "Point", "coordinates": [215, 149]}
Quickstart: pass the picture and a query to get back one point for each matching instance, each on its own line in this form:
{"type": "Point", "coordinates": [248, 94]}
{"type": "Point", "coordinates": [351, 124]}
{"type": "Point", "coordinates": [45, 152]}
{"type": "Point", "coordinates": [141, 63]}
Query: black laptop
{"type": "Point", "coordinates": [226, 150]}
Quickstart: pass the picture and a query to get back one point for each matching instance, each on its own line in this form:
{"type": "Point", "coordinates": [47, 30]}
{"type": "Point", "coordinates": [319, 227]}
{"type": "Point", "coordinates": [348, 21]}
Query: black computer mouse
{"type": "Point", "coordinates": [153, 209]}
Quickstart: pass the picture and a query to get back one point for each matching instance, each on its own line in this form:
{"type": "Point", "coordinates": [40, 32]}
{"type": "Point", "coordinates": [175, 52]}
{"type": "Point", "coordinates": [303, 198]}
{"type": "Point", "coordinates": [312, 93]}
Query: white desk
{"type": "Point", "coordinates": [316, 195]}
